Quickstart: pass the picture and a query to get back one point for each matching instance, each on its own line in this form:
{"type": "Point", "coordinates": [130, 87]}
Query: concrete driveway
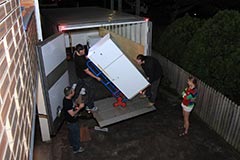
{"type": "Point", "coordinates": [153, 136]}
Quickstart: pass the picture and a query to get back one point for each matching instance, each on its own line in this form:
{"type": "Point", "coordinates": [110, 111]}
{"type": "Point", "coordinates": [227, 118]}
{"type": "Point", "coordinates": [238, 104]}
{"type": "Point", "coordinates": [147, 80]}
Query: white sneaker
{"type": "Point", "coordinates": [150, 104]}
{"type": "Point", "coordinates": [142, 96]}
{"type": "Point", "coordinates": [94, 109]}
{"type": "Point", "coordinates": [87, 108]}
{"type": "Point", "coordinates": [80, 150]}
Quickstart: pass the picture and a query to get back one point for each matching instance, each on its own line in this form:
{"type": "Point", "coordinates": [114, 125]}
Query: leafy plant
{"type": "Point", "coordinates": [208, 49]}
{"type": "Point", "coordinates": [213, 54]}
{"type": "Point", "coordinates": [173, 42]}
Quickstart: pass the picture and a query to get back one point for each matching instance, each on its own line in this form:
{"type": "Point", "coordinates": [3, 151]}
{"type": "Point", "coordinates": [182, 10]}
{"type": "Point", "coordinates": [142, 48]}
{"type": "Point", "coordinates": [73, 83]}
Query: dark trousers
{"type": "Point", "coordinates": [90, 86]}
{"type": "Point", "coordinates": [74, 135]}
{"type": "Point", "coordinates": [152, 90]}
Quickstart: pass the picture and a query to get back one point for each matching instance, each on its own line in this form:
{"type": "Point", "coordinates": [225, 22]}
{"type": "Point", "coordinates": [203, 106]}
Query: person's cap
{"type": "Point", "coordinates": [67, 90]}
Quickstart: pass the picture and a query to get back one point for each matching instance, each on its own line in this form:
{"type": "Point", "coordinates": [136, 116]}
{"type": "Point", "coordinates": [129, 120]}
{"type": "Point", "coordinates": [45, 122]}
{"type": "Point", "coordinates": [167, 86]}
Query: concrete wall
{"type": "Point", "coordinates": [17, 81]}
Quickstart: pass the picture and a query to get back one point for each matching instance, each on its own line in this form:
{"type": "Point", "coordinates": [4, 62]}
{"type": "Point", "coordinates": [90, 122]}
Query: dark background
{"type": "Point", "coordinates": [159, 11]}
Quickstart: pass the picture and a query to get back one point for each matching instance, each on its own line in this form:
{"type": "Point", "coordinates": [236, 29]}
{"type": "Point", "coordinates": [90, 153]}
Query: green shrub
{"type": "Point", "coordinates": [173, 42]}
{"type": "Point", "coordinates": [213, 54]}
{"type": "Point", "coordinates": [208, 49]}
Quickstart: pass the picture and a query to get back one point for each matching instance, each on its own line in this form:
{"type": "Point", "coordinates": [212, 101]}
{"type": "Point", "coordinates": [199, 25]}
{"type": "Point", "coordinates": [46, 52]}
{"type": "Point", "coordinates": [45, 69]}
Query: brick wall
{"type": "Point", "coordinates": [18, 66]}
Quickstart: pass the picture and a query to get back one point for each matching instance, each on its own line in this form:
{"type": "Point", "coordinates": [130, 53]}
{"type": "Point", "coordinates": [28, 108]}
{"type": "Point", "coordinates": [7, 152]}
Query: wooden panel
{"type": "Point", "coordinates": [206, 108]}
{"type": "Point", "coordinates": [223, 113]}
{"type": "Point", "coordinates": [199, 98]}
{"type": "Point", "coordinates": [219, 101]}
{"type": "Point", "coordinates": [233, 125]}
{"type": "Point", "coordinates": [130, 48]}
{"type": "Point", "coordinates": [212, 109]}
{"type": "Point", "coordinates": [236, 138]}
{"type": "Point", "coordinates": [27, 3]}
{"type": "Point", "coordinates": [219, 113]}
{"type": "Point", "coordinates": [227, 119]}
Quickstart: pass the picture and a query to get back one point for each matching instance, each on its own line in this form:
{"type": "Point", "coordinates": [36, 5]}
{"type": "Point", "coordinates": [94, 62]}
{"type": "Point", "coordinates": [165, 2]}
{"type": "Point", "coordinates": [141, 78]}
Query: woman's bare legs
{"type": "Point", "coordinates": [186, 121]}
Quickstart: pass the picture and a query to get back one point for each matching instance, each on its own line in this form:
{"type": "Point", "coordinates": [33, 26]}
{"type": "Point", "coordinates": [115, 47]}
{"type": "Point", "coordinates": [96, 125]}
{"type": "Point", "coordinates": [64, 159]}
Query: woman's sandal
{"type": "Point", "coordinates": [182, 134]}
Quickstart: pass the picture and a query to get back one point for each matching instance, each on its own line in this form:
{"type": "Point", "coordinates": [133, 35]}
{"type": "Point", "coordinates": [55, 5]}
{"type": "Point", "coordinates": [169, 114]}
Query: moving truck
{"type": "Point", "coordinates": [63, 28]}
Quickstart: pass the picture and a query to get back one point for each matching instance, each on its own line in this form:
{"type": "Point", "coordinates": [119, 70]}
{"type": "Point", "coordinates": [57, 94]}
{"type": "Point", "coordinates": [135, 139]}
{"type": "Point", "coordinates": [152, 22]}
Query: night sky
{"type": "Point", "coordinates": [159, 11]}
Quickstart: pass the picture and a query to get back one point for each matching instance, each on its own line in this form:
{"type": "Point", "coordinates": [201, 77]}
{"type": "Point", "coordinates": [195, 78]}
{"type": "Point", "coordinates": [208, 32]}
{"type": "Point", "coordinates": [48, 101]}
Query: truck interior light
{"type": "Point", "coordinates": [61, 28]}
{"type": "Point", "coordinates": [146, 19]}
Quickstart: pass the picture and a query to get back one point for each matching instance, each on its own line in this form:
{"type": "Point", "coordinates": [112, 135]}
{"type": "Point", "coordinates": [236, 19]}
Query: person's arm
{"type": "Point", "coordinates": [74, 112]}
{"type": "Point", "coordinates": [149, 70]}
{"type": "Point", "coordinates": [91, 74]}
{"type": "Point", "coordinates": [184, 92]}
{"type": "Point", "coordinates": [191, 96]}
{"type": "Point", "coordinates": [150, 75]}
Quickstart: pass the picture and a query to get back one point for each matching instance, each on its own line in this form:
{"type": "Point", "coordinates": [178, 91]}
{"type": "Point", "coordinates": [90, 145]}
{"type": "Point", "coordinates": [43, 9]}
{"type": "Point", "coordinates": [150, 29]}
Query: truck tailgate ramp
{"type": "Point", "coordinates": [107, 114]}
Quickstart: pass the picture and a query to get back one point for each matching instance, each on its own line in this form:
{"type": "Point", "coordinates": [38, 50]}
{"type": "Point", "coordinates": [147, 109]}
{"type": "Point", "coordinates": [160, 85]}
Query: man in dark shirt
{"type": "Point", "coordinates": [85, 76]}
{"type": "Point", "coordinates": [153, 71]}
{"type": "Point", "coordinates": [70, 110]}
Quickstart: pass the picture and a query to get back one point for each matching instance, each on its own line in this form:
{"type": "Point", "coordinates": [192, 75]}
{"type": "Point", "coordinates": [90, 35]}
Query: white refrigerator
{"type": "Point", "coordinates": [106, 55]}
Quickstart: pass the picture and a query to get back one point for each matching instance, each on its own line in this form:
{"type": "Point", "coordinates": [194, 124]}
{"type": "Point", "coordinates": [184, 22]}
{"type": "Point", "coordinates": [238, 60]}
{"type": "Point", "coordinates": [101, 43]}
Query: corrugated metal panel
{"type": "Point", "coordinates": [137, 32]}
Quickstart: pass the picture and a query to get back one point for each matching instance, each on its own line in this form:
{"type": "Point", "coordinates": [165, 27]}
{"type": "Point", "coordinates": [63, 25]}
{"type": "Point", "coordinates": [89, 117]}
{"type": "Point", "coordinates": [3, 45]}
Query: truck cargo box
{"type": "Point", "coordinates": [66, 27]}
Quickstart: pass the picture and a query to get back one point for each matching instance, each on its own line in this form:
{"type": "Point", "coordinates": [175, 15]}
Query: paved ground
{"type": "Point", "coordinates": [152, 136]}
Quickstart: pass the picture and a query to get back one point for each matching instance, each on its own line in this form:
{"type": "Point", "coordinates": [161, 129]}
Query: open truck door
{"type": "Point", "coordinates": [53, 78]}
